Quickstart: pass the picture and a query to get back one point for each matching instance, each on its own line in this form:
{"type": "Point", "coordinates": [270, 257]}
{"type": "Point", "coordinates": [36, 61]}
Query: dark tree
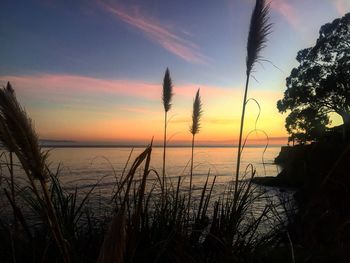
{"type": "Point", "coordinates": [320, 84]}
{"type": "Point", "coordinates": [306, 125]}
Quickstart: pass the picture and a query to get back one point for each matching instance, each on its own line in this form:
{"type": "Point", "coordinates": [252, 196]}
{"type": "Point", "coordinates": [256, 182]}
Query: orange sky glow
{"type": "Point", "coordinates": [136, 114]}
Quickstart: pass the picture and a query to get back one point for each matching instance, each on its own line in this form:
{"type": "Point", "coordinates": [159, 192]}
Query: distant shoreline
{"type": "Point", "coordinates": [155, 146]}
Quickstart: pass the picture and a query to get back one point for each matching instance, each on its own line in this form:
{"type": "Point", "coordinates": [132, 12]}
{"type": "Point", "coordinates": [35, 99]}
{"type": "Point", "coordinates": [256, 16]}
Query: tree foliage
{"type": "Point", "coordinates": [320, 84]}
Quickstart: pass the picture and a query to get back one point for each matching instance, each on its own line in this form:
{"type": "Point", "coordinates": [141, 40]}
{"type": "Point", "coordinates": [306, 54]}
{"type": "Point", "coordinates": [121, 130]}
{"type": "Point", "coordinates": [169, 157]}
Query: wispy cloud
{"type": "Point", "coordinates": [157, 32]}
{"type": "Point", "coordinates": [287, 10]}
{"type": "Point", "coordinates": [77, 87]}
{"type": "Point", "coordinates": [342, 6]}
{"type": "Point", "coordinates": [43, 85]}
{"type": "Point", "coordinates": [61, 84]}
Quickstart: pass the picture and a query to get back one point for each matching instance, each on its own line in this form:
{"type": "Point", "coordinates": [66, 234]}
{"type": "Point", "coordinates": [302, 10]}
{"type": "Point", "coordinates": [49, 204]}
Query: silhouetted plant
{"type": "Point", "coordinates": [18, 135]}
{"type": "Point", "coordinates": [194, 129]}
{"type": "Point", "coordinates": [121, 236]}
{"type": "Point", "coordinates": [258, 31]}
{"type": "Point", "coordinates": [167, 96]}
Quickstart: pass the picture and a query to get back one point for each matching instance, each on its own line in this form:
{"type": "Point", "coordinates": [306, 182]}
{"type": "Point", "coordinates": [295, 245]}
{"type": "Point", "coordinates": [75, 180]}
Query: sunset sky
{"type": "Point", "coordinates": [92, 70]}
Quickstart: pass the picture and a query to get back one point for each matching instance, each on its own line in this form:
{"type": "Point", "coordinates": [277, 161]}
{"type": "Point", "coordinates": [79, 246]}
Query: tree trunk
{"type": "Point", "coordinates": [346, 125]}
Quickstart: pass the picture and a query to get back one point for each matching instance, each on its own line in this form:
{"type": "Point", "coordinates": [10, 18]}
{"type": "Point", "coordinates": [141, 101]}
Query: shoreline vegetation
{"type": "Point", "coordinates": [162, 220]}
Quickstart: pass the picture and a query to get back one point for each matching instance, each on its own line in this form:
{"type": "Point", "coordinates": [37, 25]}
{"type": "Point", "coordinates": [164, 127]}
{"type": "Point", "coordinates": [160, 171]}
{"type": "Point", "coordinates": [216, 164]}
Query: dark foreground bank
{"type": "Point", "coordinates": [320, 174]}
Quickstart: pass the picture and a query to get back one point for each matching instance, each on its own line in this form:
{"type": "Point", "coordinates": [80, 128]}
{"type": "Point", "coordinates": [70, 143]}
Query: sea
{"type": "Point", "coordinates": [84, 167]}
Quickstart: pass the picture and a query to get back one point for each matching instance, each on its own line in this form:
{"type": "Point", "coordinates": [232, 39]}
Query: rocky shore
{"type": "Point", "coordinates": [303, 164]}
{"type": "Point", "coordinates": [320, 172]}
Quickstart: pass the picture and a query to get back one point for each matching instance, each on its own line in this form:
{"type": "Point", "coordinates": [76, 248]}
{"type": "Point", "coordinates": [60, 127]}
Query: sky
{"type": "Point", "coordinates": [92, 71]}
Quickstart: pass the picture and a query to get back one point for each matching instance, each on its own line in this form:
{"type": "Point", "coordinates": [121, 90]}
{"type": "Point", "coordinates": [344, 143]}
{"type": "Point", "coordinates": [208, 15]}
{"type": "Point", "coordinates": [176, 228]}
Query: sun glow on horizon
{"type": "Point", "coordinates": [89, 109]}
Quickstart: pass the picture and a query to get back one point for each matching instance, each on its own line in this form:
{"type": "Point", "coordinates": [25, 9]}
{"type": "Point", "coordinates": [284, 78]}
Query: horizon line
{"type": "Point", "coordinates": [155, 146]}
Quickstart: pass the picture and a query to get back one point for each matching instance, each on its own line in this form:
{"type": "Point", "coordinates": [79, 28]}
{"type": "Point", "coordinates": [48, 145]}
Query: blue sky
{"type": "Point", "coordinates": [123, 46]}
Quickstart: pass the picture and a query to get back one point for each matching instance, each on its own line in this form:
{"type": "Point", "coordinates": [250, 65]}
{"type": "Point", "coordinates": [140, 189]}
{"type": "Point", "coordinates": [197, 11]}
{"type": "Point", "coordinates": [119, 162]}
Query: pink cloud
{"type": "Point", "coordinates": [342, 6]}
{"type": "Point", "coordinates": [158, 33]}
{"type": "Point", "coordinates": [73, 84]}
{"type": "Point", "coordinates": [284, 8]}
{"type": "Point", "coordinates": [68, 85]}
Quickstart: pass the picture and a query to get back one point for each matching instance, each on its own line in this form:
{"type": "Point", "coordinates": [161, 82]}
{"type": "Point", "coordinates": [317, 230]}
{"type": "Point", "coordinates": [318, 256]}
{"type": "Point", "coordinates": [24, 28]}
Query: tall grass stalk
{"type": "Point", "coordinates": [259, 29]}
{"type": "Point", "coordinates": [121, 234]}
{"type": "Point", "coordinates": [18, 135]}
{"type": "Point", "coordinates": [196, 116]}
{"type": "Point", "coordinates": [166, 98]}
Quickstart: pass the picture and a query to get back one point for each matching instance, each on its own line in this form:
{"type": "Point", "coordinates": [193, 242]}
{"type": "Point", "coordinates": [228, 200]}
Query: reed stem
{"type": "Point", "coordinates": [164, 149]}
{"type": "Point", "coordinates": [239, 152]}
{"type": "Point", "coordinates": [54, 224]}
{"type": "Point", "coordinates": [191, 172]}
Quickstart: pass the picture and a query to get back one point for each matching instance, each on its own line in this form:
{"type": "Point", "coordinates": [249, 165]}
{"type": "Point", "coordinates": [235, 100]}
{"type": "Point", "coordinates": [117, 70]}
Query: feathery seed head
{"type": "Point", "coordinates": [259, 29]}
{"type": "Point", "coordinates": [196, 114]}
{"type": "Point", "coordinates": [167, 91]}
{"type": "Point", "coordinates": [18, 135]}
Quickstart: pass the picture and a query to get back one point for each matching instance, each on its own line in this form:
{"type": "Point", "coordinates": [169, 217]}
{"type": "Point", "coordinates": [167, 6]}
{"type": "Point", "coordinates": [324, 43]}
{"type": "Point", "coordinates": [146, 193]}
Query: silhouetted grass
{"type": "Point", "coordinates": [194, 129]}
{"type": "Point", "coordinates": [148, 223]}
{"type": "Point", "coordinates": [258, 31]}
{"type": "Point", "coordinates": [166, 98]}
{"type": "Point", "coordinates": [17, 135]}
{"type": "Point", "coordinates": [143, 225]}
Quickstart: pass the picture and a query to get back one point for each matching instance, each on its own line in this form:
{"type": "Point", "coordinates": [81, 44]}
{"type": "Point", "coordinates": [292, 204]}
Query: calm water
{"type": "Point", "coordinates": [84, 167]}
